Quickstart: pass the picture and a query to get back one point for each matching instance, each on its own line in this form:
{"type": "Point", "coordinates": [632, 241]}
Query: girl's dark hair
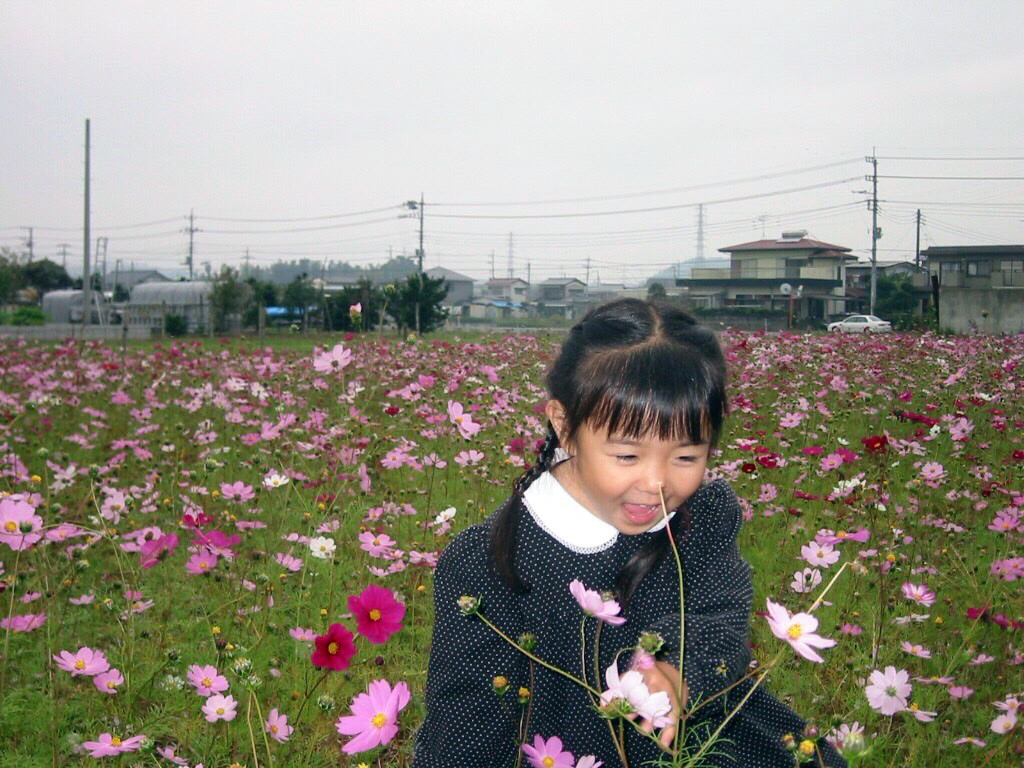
{"type": "Point", "coordinates": [632, 368]}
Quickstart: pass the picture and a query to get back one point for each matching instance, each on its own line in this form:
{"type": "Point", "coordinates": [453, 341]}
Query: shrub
{"type": "Point", "coordinates": [28, 316]}
{"type": "Point", "coordinates": [175, 325]}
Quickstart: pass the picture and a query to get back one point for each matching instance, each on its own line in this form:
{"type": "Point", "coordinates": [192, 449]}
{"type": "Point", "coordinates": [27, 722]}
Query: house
{"type": "Point", "coordinates": [508, 288]}
{"type": "Point", "coordinates": [562, 297]}
{"type": "Point", "coordinates": [460, 287]}
{"type": "Point", "coordinates": [978, 287]}
{"type": "Point", "coordinates": [129, 278]}
{"type": "Point", "coordinates": [770, 274]}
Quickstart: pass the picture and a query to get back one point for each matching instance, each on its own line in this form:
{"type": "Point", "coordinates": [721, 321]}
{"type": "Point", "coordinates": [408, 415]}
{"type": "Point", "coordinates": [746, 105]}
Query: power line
{"type": "Point", "coordinates": [955, 159]}
{"type": "Point", "coordinates": [957, 178]}
{"type": "Point", "coordinates": [583, 214]}
{"type": "Point", "coordinates": [304, 218]}
{"type": "Point", "coordinates": [669, 191]}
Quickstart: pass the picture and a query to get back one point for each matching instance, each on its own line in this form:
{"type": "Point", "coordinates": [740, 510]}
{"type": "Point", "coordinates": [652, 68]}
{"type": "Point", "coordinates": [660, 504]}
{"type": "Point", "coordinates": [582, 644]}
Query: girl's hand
{"type": "Point", "coordinates": [662, 676]}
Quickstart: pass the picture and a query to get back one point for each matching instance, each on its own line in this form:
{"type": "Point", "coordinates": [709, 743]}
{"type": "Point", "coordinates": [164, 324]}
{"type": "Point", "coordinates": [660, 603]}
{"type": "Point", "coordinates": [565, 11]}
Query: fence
{"type": "Point", "coordinates": [61, 331]}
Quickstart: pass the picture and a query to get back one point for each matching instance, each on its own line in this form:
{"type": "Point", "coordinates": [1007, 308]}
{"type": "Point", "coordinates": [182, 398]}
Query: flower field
{"type": "Point", "coordinates": [214, 553]}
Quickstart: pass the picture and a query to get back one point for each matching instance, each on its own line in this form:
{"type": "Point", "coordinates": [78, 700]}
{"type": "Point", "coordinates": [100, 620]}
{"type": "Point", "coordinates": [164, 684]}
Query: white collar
{"type": "Point", "coordinates": [567, 521]}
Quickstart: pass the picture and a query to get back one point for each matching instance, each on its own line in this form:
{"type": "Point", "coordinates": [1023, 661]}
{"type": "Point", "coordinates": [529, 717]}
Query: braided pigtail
{"type": "Point", "coordinates": [505, 527]}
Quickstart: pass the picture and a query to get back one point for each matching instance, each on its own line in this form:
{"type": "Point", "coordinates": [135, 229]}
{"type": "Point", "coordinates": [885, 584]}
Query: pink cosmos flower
{"type": "Point", "coordinates": [798, 630]}
{"type": "Point", "coordinates": [589, 761]}
{"type": "Point", "coordinates": [107, 682]}
{"type": "Point", "coordinates": [378, 615]}
{"type": "Point", "coordinates": [108, 745]}
{"type": "Point", "coordinates": [1004, 723]}
{"type": "Point", "coordinates": [548, 753]}
{"type": "Point", "coordinates": [468, 458]}
{"type": "Point", "coordinates": [932, 470]}
{"type": "Point", "coordinates": [23, 622]}
{"type": "Point", "coordinates": [303, 634]}
{"type": "Point", "coordinates": [462, 420]}
{"type": "Point", "coordinates": [237, 492]}
{"type": "Point", "coordinates": [806, 580]}
{"type": "Point", "coordinates": [850, 629]}
{"type": "Point", "coordinates": [820, 555]}
{"type": "Point", "coordinates": [293, 564]}
{"type": "Point", "coordinates": [334, 360]}
{"type": "Point", "coordinates": [887, 691]}
{"type": "Point", "coordinates": [334, 649]}
{"type": "Point", "coordinates": [378, 545]}
{"type": "Point", "coordinates": [918, 593]}
{"type": "Point", "coordinates": [219, 707]}
{"type": "Point", "coordinates": [832, 461]}
{"type": "Point", "coordinates": [85, 662]}
{"type": "Point", "coordinates": [634, 695]}
{"type": "Point", "coordinates": [921, 715]}
{"type": "Point", "coordinates": [959, 692]}
{"type": "Point", "coordinates": [19, 524]}
{"type": "Point", "coordinates": [374, 718]}
{"type": "Point", "coordinates": [206, 680]}
{"type": "Point", "coordinates": [277, 726]}
{"type": "Point", "coordinates": [915, 650]}
{"type": "Point", "coordinates": [592, 604]}
{"type": "Point", "coordinates": [156, 550]}
{"type": "Point", "coordinates": [981, 658]}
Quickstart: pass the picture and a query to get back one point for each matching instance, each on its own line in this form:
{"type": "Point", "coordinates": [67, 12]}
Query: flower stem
{"type": "Point", "coordinates": [681, 722]}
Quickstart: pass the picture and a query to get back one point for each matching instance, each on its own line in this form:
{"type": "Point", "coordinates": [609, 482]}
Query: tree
{"type": "Point", "coordinates": [428, 294]}
{"type": "Point", "coordinates": [45, 276]}
{"type": "Point", "coordinates": [299, 295]}
{"type": "Point", "coordinates": [121, 294]}
{"type": "Point", "coordinates": [10, 274]}
{"type": "Point", "coordinates": [371, 300]}
{"type": "Point", "coordinates": [656, 291]}
{"type": "Point", "coordinates": [896, 301]}
{"type": "Point", "coordinates": [227, 297]}
{"type": "Point", "coordinates": [261, 293]}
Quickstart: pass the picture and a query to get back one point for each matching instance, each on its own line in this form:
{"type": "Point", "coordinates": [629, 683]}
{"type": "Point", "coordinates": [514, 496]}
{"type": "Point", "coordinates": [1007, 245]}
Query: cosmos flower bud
{"type": "Point", "coordinates": [651, 642]}
{"type": "Point", "coordinates": [807, 748]}
{"type": "Point", "coordinates": [326, 702]}
{"type": "Point", "coordinates": [173, 654]}
{"type": "Point", "coordinates": [528, 641]}
{"type": "Point", "coordinates": [254, 681]}
{"type": "Point", "coordinates": [811, 731]}
{"type": "Point", "coordinates": [523, 694]}
{"type": "Point", "coordinates": [789, 742]}
{"type": "Point", "coordinates": [468, 605]}
{"type": "Point", "coordinates": [147, 744]}
{"type": "Point", "coordinates": [500, 685]}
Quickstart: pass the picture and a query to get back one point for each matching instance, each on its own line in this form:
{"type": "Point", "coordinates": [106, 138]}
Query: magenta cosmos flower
{"type": "Point", "coordinates": [335, 359]}
{"type": "Point", "coordinates": [334, 649]}
{"type": "Point", "coordinates": [548, 754]}
{"type": "Point", "coordinates": [24, 622]}
{"type": "Point", "coordinates": [798, 630]}
{"type": "Point", "coordinates": [19, 524]}
{"type": "Point", "coordinates": [85, 661]}
{"type": "Point", "coordinates": [378, 615]}
{"type": "Point", "coordinates": [918, 593]}
{"type": "Point", "coordinates": [594, 605]}
{"type": "Point", "coordinates": [887, 691]}
{"type": "Point", "coordinates": [458, 416]}
{"type": "Point", "coordinates": [108, 745]}
{"type": "Point", "coordinates": [206, 680]}
{"type": "Point", "coordinates": [107, 682]}
{"type": "Point", "coordinates": [374, 718]}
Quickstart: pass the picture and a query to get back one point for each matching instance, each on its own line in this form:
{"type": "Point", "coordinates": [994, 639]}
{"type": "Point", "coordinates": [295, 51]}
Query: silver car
{"type": "Point", "coordinates": [860, 324]}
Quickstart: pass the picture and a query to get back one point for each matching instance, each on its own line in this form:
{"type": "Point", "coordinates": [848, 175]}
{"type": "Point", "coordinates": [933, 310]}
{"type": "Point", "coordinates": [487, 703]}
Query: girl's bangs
{"type": "Point", "coordinates": [653, 390]}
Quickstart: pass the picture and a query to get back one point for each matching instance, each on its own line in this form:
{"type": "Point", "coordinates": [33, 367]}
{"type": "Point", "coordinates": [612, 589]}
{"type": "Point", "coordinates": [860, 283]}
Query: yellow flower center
{"type": "Point", "coordinates": [10, 526]}
{"type": "Point", "coordinates": [378, 720]}
{"type": "Point", "coordinates": [374, 615]}
{"type": "Point", "coordinates": [79, 664]}
{"type": "Point", "coordinates": [332, 648]}
{"type": "Point", "coordinates": [207, 682]}
{"type": "Point", "coordinates": [548, 762]}
{"type": "Point", "coordinates": [110, 685]}
{"type": "Point", "coordinates": [913, 707]}
{"type": "Point", "coordinates": [115, 742]}
{"type": "Point", "coordinates": [807, 747]}
{"type": "Point", "coordinates": [273, 729]}
{"type": "Point", "coordinates": [795, 631]}
{"type": "Point", "coordinates": [220, 710]}
{"type": "Point", "coordinates": [841, 534]}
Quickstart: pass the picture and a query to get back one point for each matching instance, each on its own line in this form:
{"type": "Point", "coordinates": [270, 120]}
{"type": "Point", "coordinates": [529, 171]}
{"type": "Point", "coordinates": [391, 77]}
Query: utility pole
{"type": "Point", "coordinates": [917, 247]}
{"type": "Point", "coordinates": [413, 205]}
{"type": "Point", "coordinates": [700, 232]}
{"type": "Point", "coordinates": [103, 271]}
{"type": "Point", "coordinates": [86, 236]}
{"type": "Point", "coordinates": [492, 265]}
{"type": "Point", "coordinates": [875, 234]}
{"type": "Point", "coordinates": [64, 255]}
{"type": "Point", "coordinates": [245, 264]}
{"type": "Point", "coordinates": [510, 270]}
{"type": "Point", "coordinates": [528, 272]}
{"type": "Point", "coordinates": [191, 230]}
{"type": "Point", "coordinates": [588, 270]}
{"type": "Point", "coordinates": [29, 243]}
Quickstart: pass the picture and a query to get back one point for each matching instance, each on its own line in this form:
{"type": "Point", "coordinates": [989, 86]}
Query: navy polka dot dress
{"type": "Point", "coordinates": [468, 725]}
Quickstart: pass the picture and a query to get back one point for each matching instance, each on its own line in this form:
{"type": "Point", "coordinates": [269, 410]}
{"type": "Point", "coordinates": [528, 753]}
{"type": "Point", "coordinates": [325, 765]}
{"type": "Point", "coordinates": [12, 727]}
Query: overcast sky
{"type": "Point", "coordinates": [573, 118]}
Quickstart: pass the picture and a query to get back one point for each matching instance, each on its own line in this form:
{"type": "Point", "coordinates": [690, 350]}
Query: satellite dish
{"type": "Point", "coordinates": [785, 289]}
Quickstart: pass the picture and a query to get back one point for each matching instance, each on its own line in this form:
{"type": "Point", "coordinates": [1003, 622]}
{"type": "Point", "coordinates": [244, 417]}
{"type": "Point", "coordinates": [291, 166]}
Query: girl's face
{"type": "Point", "coordinates": [617, 478]}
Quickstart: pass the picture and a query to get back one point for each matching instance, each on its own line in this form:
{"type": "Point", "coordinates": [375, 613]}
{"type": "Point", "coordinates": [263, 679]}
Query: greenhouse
{"type": "Point", "coordinates": [65, 306]}
{"type": "Point", "coordinates": [151, 303]}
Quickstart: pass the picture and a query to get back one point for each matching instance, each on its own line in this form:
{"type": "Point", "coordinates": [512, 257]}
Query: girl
{"type": "Point", "coordinates": [637, 402]}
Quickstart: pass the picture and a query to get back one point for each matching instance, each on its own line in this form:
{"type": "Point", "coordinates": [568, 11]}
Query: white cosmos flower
{"type": "Point", "coordinates": [275, 480]}
{"type": "Point", "coordinates": [322, 547]}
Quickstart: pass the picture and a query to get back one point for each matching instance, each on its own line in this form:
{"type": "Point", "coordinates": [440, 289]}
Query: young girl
{"type": "Point", "coordinates": [637, 402]}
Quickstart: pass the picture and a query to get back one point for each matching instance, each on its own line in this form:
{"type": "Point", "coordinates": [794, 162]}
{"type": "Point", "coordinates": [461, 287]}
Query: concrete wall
{"type": "Point", "coordinates": [960, 309]}
{"type": "Point", "coordinates": [61, 331]}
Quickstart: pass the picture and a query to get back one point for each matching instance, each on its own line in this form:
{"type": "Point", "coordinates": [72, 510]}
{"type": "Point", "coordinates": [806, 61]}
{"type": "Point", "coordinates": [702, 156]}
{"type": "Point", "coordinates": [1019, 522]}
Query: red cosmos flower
{"type": "Point", "coordinates": [875, 443]}
{"type": "Point", "coordinates": [334, 649]}
{"type": "Point", "coordinates": [749, 467]}
{"type": "Point", "coordinates": [378, 615]}
{"type": "Point", "coordinates": [1018, 455]}
{"type": "Point", "coordinates": [769, 461]}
